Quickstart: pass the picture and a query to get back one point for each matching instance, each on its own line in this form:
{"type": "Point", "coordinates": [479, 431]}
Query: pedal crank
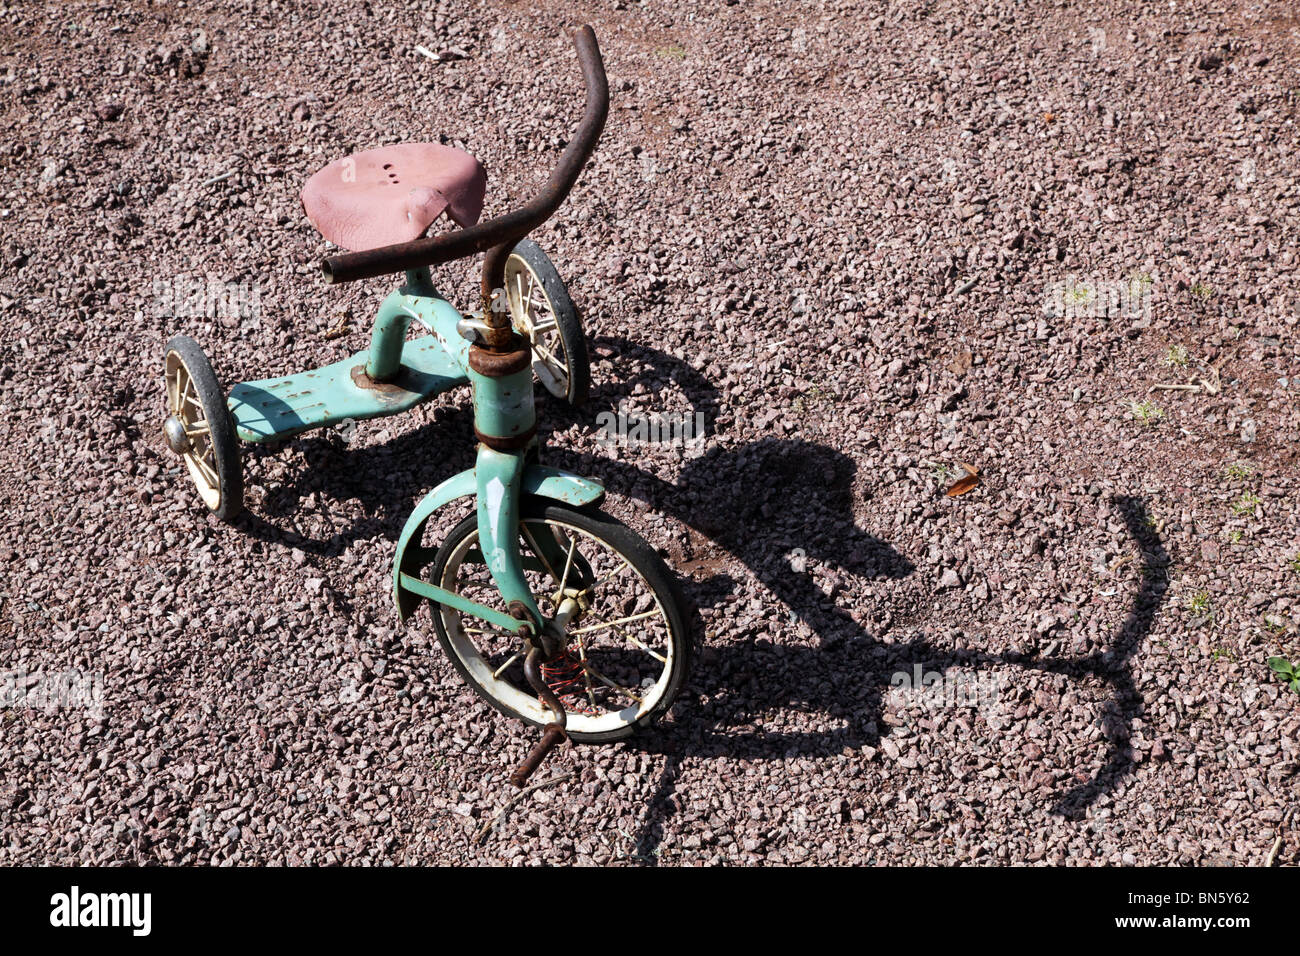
{"type": "Point", "coordinates": [554, 732]}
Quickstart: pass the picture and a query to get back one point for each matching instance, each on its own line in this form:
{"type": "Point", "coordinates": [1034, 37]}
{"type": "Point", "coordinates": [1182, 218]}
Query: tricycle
{"type": "Point", "coordinates": [553, 611]}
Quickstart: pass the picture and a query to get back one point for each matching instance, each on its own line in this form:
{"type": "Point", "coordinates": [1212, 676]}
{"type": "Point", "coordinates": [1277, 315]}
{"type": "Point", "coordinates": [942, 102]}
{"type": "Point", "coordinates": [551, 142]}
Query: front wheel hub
{"type": "Point", "coordinates": [174, 432]}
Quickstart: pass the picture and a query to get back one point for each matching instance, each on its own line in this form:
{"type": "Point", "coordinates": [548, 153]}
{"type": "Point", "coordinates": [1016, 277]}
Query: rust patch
{"type": "Point", "coordinates": [511, 443]}
{"type": "Point", "coordinates": [392, 389]}
{"type": "Point", "coordinates": [499, 364]}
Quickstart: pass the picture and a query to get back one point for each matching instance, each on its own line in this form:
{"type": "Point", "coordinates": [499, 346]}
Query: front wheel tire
{"type": "Point", "coordinates": [628, 651]}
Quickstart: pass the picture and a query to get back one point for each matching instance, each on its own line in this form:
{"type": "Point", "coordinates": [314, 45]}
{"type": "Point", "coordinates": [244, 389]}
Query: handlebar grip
{"type": "Point", "coordinates": [512, 226]}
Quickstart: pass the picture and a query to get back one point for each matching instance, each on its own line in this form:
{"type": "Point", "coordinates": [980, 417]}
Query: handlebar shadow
{"type": "Point", "coordinates": [728, 496]}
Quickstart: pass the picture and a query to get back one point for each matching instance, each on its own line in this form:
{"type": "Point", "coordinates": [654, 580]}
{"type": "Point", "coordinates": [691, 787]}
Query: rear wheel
{"type": "Point", "coordinates": [628, 649]}
{"type": "Point", "coordinates": [542, 312]}
{"type": "Point", "coordinates": [198, 427]}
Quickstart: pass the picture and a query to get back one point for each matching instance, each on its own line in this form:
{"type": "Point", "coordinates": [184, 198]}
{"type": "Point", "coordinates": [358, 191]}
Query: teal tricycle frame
{"type": "Point", "coordinates": [516, 497]}
{"type": "Point", "coordinates": [395, 375]}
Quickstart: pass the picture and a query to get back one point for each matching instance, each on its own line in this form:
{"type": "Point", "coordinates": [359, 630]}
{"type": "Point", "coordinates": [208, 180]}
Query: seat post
{"type": "Point", "coordinates": [393, 319]}
{"type": "Point", "coordinates": [419, 282]}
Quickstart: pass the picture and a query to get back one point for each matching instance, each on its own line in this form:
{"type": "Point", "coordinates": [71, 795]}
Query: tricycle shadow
{"type": "Point", "coordinates": [760, 503]}
{"type": "Point", "coordinates": [384, 479]}
{"type": "Point", "coordinates": [730, 495]}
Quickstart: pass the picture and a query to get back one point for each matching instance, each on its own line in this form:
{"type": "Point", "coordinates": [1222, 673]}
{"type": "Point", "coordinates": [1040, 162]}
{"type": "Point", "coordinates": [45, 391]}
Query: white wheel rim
{"type": "Point", "coordinates": [533, 317]}
{"type": "Point", "coordinates": [492, 657]}
{"type": "Point", "coordinates": [183, 403]}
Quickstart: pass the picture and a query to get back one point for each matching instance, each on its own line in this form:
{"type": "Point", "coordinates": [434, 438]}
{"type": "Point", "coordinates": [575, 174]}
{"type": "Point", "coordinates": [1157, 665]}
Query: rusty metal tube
{"type": "Point", "coordinates": [507, 229]}
{"type": "Point", "coordinates": [553, 737]}
{"type": "Point", "coordinates": [555, 731]}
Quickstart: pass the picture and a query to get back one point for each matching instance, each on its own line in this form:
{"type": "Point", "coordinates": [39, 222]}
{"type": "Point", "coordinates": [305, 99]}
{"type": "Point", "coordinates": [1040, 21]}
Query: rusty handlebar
{"type": "Point", "coordinates": [499, 235]}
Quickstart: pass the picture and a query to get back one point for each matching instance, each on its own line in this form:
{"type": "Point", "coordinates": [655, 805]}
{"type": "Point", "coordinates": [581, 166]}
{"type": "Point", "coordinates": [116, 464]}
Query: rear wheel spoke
{"type": "Point", "coordinates": [207, 470]}
{"type": "Point", "coordinates": [549, 358]}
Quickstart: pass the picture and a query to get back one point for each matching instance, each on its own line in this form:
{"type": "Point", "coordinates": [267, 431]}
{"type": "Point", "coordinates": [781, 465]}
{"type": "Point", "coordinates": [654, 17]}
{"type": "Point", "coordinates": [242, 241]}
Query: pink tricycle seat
{"type": "Point", "coordinates": [392, 194]}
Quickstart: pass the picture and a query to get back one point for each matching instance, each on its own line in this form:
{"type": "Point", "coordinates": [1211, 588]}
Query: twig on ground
{"type": "Point", "coordinates": [1277, 844]}
{"type": "Point", "coordinates": [1205, 385]}
{"type": "Point", "coordinates": [1272, 854]}
{"type": "Point", "coordinates": [490, 826]}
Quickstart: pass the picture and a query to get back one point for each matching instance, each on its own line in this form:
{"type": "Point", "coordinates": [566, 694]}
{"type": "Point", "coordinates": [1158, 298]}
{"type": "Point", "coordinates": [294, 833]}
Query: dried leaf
{"type": "Point", "coordinates": [965, 483]}
{"type": "Point", "coordinates": [961, 363]}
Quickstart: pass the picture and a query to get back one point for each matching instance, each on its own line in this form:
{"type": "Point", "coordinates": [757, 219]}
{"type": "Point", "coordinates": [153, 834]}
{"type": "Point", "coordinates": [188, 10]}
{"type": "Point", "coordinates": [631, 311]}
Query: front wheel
{"type": "Point", "coordinates": [627, 648]}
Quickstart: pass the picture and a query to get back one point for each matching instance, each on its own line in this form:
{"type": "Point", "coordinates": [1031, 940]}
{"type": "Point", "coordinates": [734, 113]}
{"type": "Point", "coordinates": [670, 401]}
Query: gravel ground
{"type": "Point", "coordinates": [868, 243]}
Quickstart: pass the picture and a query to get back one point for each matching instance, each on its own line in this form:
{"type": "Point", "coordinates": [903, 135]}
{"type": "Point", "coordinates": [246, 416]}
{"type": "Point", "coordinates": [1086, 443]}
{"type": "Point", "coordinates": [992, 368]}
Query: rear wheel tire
{"type": "Point", "coordinates": [199, 428]}
{"type": "Point", "coordinates": [542, 312]}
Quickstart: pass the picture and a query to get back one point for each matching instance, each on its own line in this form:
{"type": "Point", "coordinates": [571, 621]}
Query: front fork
{"type": "Point", "coordinates": [499, 475]}
{"type": "Point", "coordinates": [505, 422]}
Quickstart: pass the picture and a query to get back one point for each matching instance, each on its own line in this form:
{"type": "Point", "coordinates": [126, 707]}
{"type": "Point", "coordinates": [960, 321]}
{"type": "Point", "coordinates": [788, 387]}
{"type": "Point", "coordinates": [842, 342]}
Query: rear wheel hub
{"type": "Point", "coordinates": [174, 432]}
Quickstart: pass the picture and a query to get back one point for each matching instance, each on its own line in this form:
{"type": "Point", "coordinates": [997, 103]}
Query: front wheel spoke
{"type": "Point", "coordinates": [541, 328]}
{"type": "Point", "coordinates": [568, 565]}
{"type": "Point", "coordinates": [641, 644]}
{"type": "Point", "coordinates": [621, 620]}
{"type": "Point", "coordinates": [611, 684]}
{"type": "Point", "coordinates": [501, 670]}
{"type": "Point", "coordinates": [536, 549]}
{"type": "Point", "coordinates": [201, 428]}
{"type": "Point", "coordinates": [586, 677]}
{"type": "Point", "coordinates": [613, 574]}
